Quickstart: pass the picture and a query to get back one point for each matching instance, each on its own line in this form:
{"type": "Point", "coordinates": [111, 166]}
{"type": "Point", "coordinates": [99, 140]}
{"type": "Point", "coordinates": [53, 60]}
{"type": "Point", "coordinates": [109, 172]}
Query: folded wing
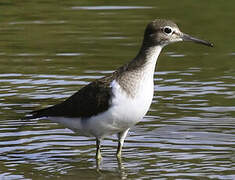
{"type": "Point", "coordinates": [88, 101]}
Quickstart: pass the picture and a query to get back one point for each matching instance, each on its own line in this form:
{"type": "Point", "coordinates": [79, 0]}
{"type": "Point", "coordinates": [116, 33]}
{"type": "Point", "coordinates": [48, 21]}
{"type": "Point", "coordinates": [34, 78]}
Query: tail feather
{"type": "Point", "coordinates": [39, 113]}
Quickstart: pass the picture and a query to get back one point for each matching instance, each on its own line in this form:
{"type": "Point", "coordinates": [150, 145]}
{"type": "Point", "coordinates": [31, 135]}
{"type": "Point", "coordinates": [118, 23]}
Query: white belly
{"type": "Point", "coordinates": [124, 112]}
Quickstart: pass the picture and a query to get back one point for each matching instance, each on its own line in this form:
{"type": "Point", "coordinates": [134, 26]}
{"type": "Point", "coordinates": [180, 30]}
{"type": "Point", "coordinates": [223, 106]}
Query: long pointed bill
{"type": "Point", "coordinates": [187, 37]}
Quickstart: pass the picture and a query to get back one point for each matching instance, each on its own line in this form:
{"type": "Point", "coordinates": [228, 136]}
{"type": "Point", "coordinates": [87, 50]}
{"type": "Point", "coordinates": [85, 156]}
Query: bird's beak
{"type": "Point", "coordinates": [186, 37]}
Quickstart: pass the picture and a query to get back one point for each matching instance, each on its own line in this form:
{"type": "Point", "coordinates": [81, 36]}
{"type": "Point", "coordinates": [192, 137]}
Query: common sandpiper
{"type": "Point", "coordinates": [115, 103]}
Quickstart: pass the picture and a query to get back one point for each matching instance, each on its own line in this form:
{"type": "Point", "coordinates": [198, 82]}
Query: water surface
{"type": "Point", "coordinates": [49, 50]}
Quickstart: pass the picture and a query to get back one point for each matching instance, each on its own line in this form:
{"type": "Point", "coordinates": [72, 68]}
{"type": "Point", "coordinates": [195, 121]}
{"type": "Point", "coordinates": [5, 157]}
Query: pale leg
{"type": "Point", "coordinates": [98, 146]}
{"type": "Point", "coordinates": [121, 138]}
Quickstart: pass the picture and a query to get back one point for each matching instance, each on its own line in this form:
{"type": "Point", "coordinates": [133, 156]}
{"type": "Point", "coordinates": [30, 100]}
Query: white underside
{"type": "Point", "coordinates": [125, 111]}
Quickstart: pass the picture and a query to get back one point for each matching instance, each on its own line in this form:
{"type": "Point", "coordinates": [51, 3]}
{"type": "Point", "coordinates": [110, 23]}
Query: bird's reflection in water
{"type": "Point", "coordinates": [121, 169]}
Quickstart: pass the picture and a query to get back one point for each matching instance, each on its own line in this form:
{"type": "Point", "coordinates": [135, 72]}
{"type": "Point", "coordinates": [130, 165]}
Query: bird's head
{"type": "Point", "coordinates": [163, 32]}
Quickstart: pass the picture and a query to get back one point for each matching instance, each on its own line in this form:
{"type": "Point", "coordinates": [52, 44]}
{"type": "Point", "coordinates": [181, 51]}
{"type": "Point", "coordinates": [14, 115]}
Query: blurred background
{"type": "Point", "coordinates": [50, 49]}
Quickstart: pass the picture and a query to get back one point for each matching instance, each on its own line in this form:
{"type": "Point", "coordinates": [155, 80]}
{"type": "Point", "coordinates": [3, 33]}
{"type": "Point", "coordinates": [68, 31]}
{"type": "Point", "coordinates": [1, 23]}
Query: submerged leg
{"type": "Point", "coordinates": [98, 146]}
{"type": "Point", "coordinates": [121, 138]}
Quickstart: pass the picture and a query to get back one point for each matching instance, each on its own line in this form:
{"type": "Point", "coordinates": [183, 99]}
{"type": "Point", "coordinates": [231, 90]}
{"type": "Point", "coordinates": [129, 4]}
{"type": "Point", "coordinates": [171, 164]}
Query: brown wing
{"type": "Point", "coordinates": [88, 101]}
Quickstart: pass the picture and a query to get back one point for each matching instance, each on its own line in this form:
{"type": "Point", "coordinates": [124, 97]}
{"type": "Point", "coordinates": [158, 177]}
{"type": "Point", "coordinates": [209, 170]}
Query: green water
{"type": "Point", "coordinates": [50, 49]}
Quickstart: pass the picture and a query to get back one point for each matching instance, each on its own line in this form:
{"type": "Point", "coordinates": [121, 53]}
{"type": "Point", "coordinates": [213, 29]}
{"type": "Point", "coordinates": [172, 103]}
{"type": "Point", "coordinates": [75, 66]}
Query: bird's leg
{"type": "Point", "coordinates": [121, 138]}
{"type": "Point", "coordinates": [98, 146]}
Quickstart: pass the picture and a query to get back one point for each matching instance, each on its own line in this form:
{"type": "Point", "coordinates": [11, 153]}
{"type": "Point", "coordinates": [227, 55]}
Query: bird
{"type": "Point", "coordinates": [115, 103]}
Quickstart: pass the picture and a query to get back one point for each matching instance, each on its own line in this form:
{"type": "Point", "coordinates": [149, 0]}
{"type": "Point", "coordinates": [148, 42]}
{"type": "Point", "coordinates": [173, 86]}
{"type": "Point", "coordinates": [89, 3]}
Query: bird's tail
{"type": "Point", "coordinates": [38, 114]}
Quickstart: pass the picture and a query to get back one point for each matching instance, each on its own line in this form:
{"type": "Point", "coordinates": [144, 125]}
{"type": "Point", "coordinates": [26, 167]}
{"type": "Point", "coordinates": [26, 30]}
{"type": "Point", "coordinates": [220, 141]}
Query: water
{"type": "Point", "coordinates": [48, 50]}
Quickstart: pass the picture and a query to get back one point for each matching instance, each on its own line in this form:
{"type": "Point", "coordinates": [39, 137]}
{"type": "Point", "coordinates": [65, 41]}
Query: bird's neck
{"type": "Point", "coordinates": [146, 57]}
{"type": "Point", "coordinates": [140, 70]}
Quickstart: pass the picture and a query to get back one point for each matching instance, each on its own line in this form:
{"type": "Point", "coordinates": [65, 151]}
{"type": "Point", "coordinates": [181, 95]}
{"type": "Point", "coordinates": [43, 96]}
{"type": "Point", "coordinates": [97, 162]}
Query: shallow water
{"type": "Point", "coordinates": [48, 50]}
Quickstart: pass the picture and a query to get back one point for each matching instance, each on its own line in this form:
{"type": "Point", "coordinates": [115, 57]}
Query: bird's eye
{"type": "Point", "coordinates": [167, 30]}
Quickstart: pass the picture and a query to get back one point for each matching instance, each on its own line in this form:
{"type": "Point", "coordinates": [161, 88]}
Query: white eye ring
{"type": "Point", "coordinates": [167, 30]}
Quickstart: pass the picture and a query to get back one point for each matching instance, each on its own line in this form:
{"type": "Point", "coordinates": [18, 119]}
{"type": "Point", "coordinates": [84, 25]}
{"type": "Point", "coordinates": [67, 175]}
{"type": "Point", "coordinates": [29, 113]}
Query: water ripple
{"type": "Point", "coordinates": [109, 7]}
